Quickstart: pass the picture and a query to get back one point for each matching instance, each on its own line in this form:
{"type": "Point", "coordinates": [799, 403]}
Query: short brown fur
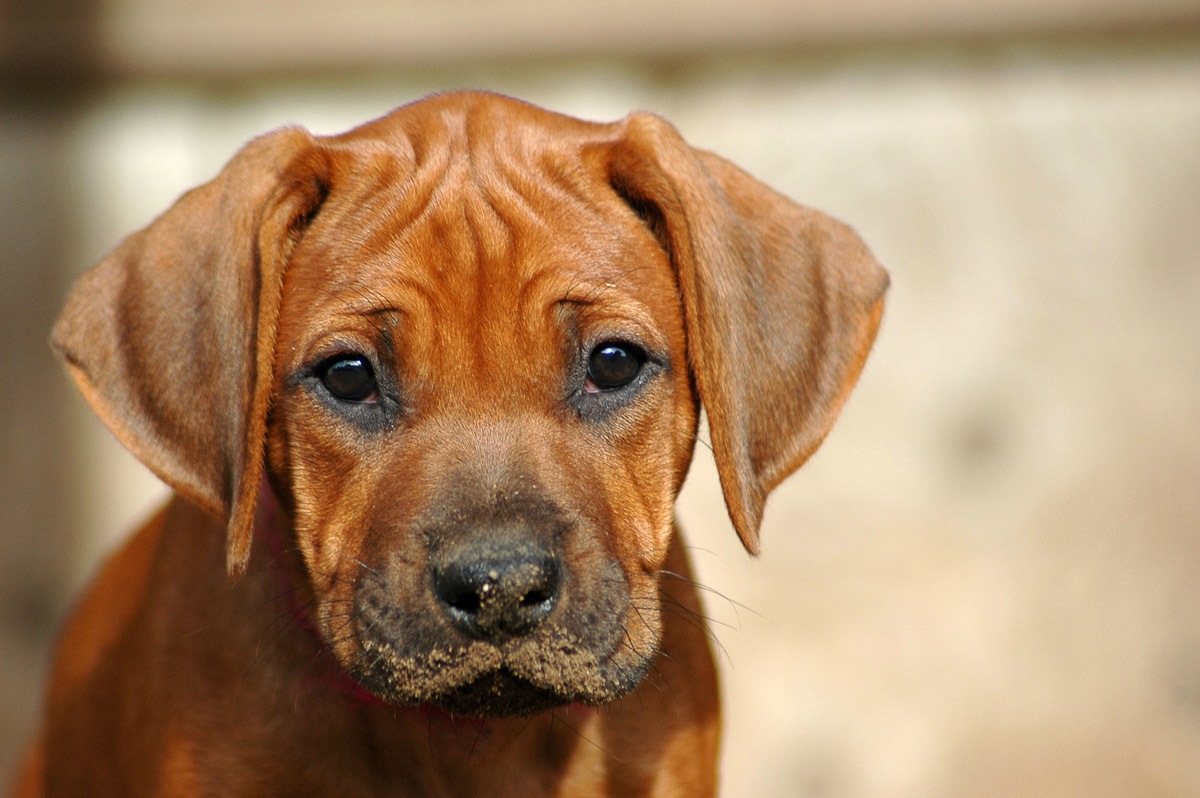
{"type": "Point", "coordinates": [466, 580]}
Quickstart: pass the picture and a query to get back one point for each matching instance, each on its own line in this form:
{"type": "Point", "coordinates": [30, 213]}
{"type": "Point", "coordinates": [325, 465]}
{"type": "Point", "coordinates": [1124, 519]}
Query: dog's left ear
{"type": "Point", "coordinates": [781, 306]}
{"type": "Point", "coordinates": [171, 338]}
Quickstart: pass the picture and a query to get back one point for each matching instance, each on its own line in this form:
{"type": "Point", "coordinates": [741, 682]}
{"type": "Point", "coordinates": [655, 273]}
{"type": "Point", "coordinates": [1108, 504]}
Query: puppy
{"type": "Point", "coordinates": [426, 392]}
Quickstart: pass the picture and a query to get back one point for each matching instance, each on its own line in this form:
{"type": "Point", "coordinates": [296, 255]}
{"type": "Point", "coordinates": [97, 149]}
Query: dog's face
{"type": "Point", "coordinates": [467, 344]}
{"type": "Point", "coordinates": [482, 416]}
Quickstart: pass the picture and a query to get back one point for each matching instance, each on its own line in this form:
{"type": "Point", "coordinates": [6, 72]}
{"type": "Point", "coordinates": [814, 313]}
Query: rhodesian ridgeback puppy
{"type": "Point", "coordinates": [426, 392]}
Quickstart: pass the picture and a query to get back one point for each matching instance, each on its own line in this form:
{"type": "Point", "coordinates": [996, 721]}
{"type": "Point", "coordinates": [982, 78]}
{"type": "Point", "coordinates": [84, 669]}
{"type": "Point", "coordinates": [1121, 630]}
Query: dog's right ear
{"type": "Point", "coordinates": [171, 338]}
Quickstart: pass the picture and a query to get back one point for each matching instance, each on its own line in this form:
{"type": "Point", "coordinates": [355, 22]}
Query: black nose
{"type": "Point", "coordinates": [496, 590]}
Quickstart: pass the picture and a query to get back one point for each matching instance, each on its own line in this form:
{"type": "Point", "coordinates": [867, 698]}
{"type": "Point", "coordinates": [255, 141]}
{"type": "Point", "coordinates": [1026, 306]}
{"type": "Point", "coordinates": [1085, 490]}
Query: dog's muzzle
{"type": "Point", "coordinates": [514, 610]}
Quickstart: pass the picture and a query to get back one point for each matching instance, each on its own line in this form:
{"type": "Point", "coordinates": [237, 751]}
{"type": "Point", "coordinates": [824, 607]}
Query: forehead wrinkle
{"type": "Point", "coordinates": [408, 177]}
{"type": "Point", "coordinates": [470, 169]}
{"type": "Point", "coordinates": [618, 313]}
{"type": "Point", "coordinates": [531, 181]}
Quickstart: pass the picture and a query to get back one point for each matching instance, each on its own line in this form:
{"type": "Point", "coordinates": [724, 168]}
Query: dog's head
{"type": "Point", "coordinates": [467, 344]}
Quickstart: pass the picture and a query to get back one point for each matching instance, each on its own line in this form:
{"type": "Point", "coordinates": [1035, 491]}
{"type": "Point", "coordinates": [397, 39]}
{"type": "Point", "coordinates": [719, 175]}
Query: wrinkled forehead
{"type": "Point", "coordinates": [487, 165]}
{"type": "Point", "coordinates": [472, 220]}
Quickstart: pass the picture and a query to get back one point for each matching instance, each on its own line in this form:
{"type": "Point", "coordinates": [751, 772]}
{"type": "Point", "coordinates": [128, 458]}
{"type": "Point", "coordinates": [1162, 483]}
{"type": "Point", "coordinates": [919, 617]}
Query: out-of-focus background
{"type": "Point", "coordinates": [987, 583]}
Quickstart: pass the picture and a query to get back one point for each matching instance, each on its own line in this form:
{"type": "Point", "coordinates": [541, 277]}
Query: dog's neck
{"type": "Point", "coordinates": [293, 596]}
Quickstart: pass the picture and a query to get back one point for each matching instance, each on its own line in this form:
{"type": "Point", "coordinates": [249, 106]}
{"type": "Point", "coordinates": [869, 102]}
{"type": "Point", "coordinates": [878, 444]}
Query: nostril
{"type": "Point", "coordinates": [534, 598]}
{"type": "Point", "coordinates": [540, 583]}
{"type": "Point", "coordinates": [459, 588]}
{"type": "Point", "coordinates": [460, 595]}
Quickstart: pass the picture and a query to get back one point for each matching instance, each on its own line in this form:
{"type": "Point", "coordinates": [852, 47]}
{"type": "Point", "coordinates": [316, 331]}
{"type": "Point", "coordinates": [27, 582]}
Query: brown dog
{"type": "Point", "coordinates": [427, 391]}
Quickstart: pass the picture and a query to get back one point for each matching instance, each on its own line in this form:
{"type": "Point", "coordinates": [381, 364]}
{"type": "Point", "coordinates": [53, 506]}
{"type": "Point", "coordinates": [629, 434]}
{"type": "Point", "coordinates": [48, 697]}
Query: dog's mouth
{"type": "Point", "coordinates": [498, 694]}
{"type": "Point", "coordinates": [480, 679]}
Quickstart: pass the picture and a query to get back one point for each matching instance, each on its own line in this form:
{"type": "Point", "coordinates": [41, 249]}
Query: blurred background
{"type": "Point", "coordinates": [987, 583]}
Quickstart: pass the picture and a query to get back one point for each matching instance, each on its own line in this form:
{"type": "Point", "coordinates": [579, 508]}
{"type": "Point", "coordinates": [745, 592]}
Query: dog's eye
{"type": "Point", "coordinates": [349, 378]}
{"type": "Point", "coordinates": [612, 365]}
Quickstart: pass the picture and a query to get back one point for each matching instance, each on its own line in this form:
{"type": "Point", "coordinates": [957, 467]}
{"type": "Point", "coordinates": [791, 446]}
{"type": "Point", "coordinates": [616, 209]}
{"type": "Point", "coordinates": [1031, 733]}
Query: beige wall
{"type": "Point", "coordinates": [988, 581]}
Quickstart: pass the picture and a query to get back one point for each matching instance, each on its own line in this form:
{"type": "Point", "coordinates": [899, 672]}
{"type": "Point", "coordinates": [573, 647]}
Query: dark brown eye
{"type": "Point", "coordinates": [349, 378]}
{"type": "Point", "coordinates": [612, 365]}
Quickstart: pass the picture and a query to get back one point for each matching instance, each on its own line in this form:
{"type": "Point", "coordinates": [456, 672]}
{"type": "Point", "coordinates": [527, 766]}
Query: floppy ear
{"type": "Point", "coordinates": [171, 338]}
{"type": "Point", "coordinates": [781, 306]}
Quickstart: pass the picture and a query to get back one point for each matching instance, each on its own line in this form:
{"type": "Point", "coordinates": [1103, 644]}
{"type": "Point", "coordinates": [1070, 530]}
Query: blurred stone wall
{"type": "Point", "coordinates": [987, 582]}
